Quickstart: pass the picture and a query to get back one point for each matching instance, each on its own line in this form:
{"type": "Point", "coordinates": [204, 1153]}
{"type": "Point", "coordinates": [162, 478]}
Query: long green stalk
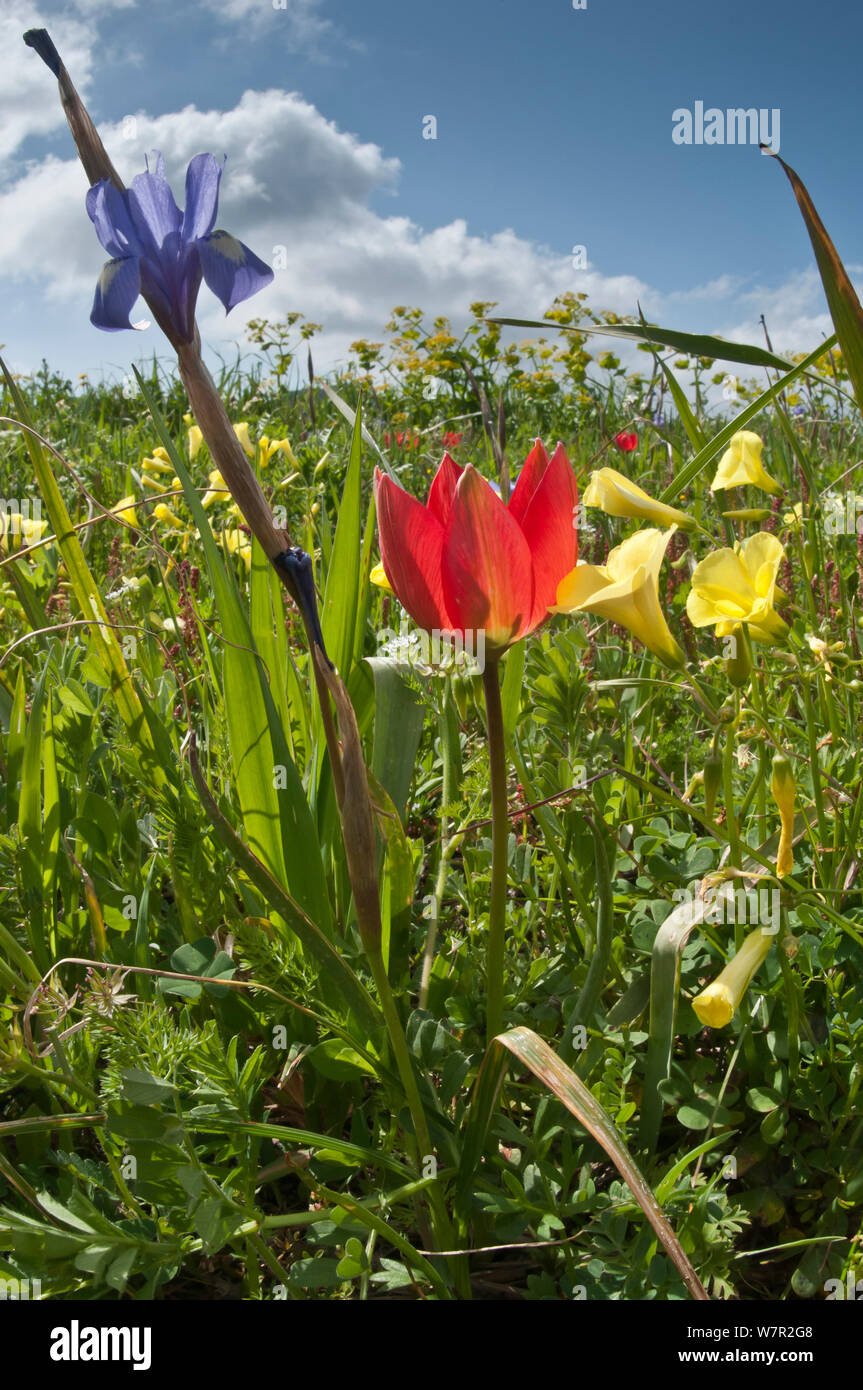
{"type": "Point", "coordinates": [499, 844]}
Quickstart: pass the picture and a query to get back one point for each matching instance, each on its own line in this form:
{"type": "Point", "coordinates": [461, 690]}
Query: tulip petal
{"type": "Point", "coordinates": [411, 542]}
{"type": "Point", "coordinates": [547, 525]}
{"type": "Point", "coordinates": [487, 566]}
{"type": "Point", "coordinates": [442, 490]}
{"type": "Point", "coordinates": [529, 480]}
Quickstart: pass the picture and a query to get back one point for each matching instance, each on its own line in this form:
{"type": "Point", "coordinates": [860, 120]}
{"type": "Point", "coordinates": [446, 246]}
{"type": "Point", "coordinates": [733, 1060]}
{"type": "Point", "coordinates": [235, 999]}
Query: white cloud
{"type": "Point", "coordinates": [31, 106]}
{"type": "Point", "coordinates": [300, 24]}
{"type": "Point", "coordinates": [294, 180]}
{"type": "Point", "coordinates": [30, 102]}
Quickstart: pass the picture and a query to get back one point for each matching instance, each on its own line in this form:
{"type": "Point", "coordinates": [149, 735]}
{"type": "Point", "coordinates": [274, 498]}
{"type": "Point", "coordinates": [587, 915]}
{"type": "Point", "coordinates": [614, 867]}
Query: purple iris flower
{"type": "Point", "coordinates": [163, 253]}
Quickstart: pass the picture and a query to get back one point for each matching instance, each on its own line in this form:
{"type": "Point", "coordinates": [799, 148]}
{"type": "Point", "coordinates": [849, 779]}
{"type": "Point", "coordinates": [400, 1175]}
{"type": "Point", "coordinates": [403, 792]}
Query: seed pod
{"type": "Point", "coordinates": [783, 790]}
{"type": "Point", "coordinates": [808, 558]}
{"type": "Point", "coordinates": [712, 782]}
{"type": "Point", "coordinates": [738, 665]}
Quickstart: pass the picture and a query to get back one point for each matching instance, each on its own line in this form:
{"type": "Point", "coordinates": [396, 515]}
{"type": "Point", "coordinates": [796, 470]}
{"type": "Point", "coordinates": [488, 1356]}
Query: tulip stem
{"type": "Point", "coordinates": [499, 846]}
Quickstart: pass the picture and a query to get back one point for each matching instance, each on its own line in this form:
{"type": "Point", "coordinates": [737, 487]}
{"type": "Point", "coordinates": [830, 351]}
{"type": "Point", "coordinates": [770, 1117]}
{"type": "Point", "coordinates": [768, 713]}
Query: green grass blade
{"type": "Point", "coordinates": [694, 432]}
{"type": "Point", "coordinates": [398, 724]}
{"type": "Point", "coordinates": [87, 595]}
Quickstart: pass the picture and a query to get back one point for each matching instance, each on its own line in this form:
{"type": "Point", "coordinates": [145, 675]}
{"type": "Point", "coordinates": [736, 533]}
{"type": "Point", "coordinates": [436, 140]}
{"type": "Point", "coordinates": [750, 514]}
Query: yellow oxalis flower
{"type": "Point", "coordinates": [239, 544]}
{"type": "Point", "coordinates": [242, 433]}
{"type": "Point", "coordinates": [164, 514]}
{"type": "Point", "coordinates": [194, 440]}
{"type": "Point", "coordinates": [741, 465]}
{"type": "Point", "coordinates": [267, 447]}
{"type": "Point", "coordinates": [125, 510]}
{"type": "Point", "coordinates": [626, 591]}
{"type": "Point", "coordinates": [378, 575]}
{"type": "Point", "coordinates": [158, 463]}
{"type": "Point", "coordinates": [718, 1003]}
{"type": "Point", "coordinates": [217, 491]}
{"type": "Point", "coordinates": [617, 496]}
{"type": "Point", "coordinates": [17, 531]}
{"type": "Point", "coordinates": [736, 586]}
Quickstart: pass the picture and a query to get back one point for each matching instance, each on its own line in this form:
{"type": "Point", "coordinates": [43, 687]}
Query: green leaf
{"type": "Point", "coordinates": [339, 1062]}
{"type": "Point", "coordinates": [696, 344]}
{"type": "Point", "coordinates": [763, 1098]}
{"type": "Point", "coordinates": [313, 939]}
{"type": "Point", "coordinates": [341, 594]}
{"type": "Point", "coordinates": [535, 1054]}
{"type": "Point", "coordinates": [397, 730]}
{"type": "Point", "coordinates": [723, 438]}
{"type": "Point", "coordinates": [277, 821]}
{"type": "Point", "coordinates": [142, 1088]}
{"type": "Point", "coordinates": [512, 687]}
{"type": "Point", "coordinates": [201, 957]}
{"type": "Point", "coordinates": [694, 432]}
{"type": "Point", "coordinates": [845, 309]}
{"type": "Point", "coordinates": [318, 1272]}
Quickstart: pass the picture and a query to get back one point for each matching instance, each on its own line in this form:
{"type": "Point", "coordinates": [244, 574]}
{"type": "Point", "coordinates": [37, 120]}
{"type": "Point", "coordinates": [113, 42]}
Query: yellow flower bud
{"type": "Point", "coordinates": [242, 433]}
{"type": "Point", "coordinates": [741, 465]}
{"type": "Point", "coordinates": [784, 791]}
{"type": "Point", "coordinates": [716, 1005]}
{"type": "Point", "coordinates": [617, 496]}
{"type": "Point", "coordinates": [164, 514]}
{"type": "Point", "coordinates": [378, 576]}
{"type": "Point", "coordinates": [194, 439]}
{"type": "Point", "coordinates": [125, 510]}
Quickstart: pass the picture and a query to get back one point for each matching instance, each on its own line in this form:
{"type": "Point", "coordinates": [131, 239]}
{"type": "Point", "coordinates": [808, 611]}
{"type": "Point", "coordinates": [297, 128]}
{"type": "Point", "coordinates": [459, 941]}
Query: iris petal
{"type": "Point", "coordinates": [109, 213]}
{"type": "Point", "coordinates": [231, 270]}
{"type": "Point", "coordinates": [118, 287]}
{"type": "Point", "coordinates": [202, 196]}
{"type": "Point", "coordinates": [154, 212]}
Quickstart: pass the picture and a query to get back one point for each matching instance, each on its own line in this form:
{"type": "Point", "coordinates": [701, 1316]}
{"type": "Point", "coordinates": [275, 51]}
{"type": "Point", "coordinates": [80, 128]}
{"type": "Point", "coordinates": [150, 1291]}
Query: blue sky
{"type": "Point", "coordinates": [553, 129]}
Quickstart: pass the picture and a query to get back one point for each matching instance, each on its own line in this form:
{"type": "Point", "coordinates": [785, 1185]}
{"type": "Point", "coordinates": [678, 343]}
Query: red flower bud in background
{"type": "Point", "coordinates": [626, 442]}
{"type": "Point", "coordinates": [465, 562]}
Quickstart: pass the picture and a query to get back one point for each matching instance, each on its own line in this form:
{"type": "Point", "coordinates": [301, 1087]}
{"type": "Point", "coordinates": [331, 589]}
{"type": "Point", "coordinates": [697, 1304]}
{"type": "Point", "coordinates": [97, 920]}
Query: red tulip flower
{"type": "Point", "coordinates": [465, 562]}
{"type": "Point", "coordinates": [626, 442]}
